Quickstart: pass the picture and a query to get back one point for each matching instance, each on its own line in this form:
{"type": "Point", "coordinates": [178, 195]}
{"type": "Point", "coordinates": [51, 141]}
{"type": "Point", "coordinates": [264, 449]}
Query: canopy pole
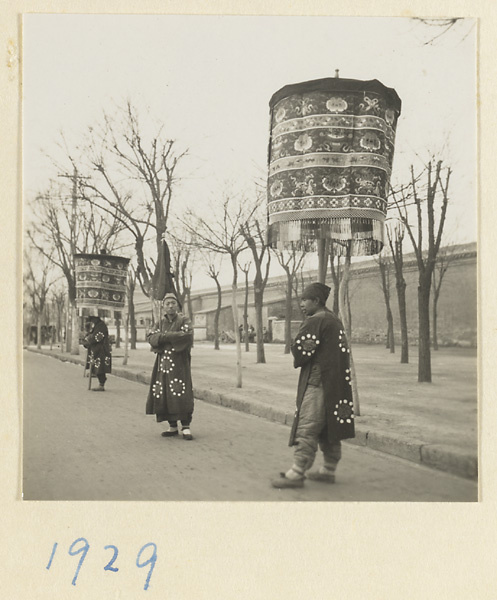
{"type": "Point", "coordinates": [322, 247]}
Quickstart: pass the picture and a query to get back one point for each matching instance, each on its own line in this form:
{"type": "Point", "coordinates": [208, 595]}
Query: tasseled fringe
{"type": "Point", "coordinates": [365, 236]}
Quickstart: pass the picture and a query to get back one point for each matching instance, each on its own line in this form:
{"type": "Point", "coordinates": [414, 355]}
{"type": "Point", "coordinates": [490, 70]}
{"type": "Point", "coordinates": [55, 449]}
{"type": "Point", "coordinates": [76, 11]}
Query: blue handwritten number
{"type": "Point", "coordinates": [109, 567]}
{"type": "Point", "coordinates": [151, 561]}
{"type": "Point", "coordinates": [52, 555]}
{"type": "Point", "coordinates": [83, 551]}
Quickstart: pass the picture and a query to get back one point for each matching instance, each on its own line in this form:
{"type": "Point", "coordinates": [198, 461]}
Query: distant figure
{"type": "Point", "coordinates": [324, 414]}
{"type": "Point", "coordinates": [99, 351]}
{"type": "Point", "coordinates": [251, 333]}
{"type": "Point", "coordinates": [171, 393]}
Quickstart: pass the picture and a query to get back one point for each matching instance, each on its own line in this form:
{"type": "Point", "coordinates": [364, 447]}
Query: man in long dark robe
{"type": "Point", "coordinates": [99, 351]}
{"type": "Point", "coordinates": [170, 396]}
{"type": "Point", "coordinates": [324, 414]}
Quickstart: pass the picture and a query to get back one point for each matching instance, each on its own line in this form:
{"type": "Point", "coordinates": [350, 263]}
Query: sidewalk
{"type": "Point", "coordinates": [431, 424]}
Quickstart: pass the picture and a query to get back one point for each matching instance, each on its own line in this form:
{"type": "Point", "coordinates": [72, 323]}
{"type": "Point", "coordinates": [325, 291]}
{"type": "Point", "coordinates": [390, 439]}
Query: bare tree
{"type": "Point", "coordinates": [183, 260]}
{"type": "Point", "coordinates": [255, 237]}
{"type": "Point", "coordinates": [223, 235]}
{"type": "Point", "coordinates": [132, 176]}
{"type": "Point", "coordinates": [291, 262]}
{"type": "Point", "coordinates": [58, 299]}
{"type": "Point", "coordinates": [37, 282]}
{"type": "Point", "coordinates": [60, 228]}
{"type": "Point", "coordinates": [213, 272]}
{"type": "Point", "coordinates": [427, 190]}
{"type": "Point", "coordinates": [384, 268]}
{"type": "Point", "coordinates": [440, 27]}
{"type": "Point", "coordinates": [395, 235]}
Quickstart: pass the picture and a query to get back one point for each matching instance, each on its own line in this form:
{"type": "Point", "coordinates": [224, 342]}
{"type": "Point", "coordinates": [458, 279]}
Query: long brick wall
{"type": "Point", "coordinates": [457, 306]}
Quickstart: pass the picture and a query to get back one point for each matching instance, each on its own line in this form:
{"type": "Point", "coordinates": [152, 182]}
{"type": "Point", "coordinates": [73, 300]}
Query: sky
{"type": "Point", "coordinates": [210, 78]}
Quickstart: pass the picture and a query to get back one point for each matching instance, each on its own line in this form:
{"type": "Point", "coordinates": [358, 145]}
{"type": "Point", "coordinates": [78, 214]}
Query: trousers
{"type": "Point", "coordinates": [309, 433]}
{"type": "Point", "coordinates": [184, 422]}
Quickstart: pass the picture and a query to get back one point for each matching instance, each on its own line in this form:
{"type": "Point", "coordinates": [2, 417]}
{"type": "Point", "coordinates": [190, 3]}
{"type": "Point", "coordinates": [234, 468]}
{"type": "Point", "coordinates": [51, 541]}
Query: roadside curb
{"type": "Point", "coordinates": [436, 456]}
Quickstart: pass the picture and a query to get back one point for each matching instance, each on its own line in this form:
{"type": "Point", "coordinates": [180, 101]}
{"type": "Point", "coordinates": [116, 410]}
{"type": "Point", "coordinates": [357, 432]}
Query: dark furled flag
{"type": "Point", "coordinates": [163, 279]}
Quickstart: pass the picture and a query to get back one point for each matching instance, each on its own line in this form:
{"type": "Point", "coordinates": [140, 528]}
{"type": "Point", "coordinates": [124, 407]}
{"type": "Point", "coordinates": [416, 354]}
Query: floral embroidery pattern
{"type": "Point", "coordinates": [307, 344]}
{"type": "Point", "coordinates": [336, 104]}
{"type": "Point", "coordinates": [389, 116]}
{"type": "Point", "coordinates": [166, 362]}
{"type": "Point", "coordinates": [280, 114]}
{"type": "Point", "coordinates": [370, 141]}
{"type": "Point", "coordinates": [157, 389]}
{"type": "Point", "coordinates": [344, 411]}
{"type": "Point", "coordinates": [334, 149]}
{"type": "Point", "coordinates": [100, 281]}
{"type": "Point", "coordinates": [303, 143]}
{"type": "Point", "coordinates": [276, 188]}
{"type": "Point", "coordinates": [177, 387]}
{"type": "Point", "coordinates": [334, 184]}
{"type": "Point", "coordinates": [303, 186]}
{"type": "Point", "coordinates": [372, 104]}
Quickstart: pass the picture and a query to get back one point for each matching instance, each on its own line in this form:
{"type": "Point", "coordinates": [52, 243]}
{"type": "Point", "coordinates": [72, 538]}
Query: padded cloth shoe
{"type": "Point", "coordinates": [187, 436]}
{"type": "Point", "coordinates": [323, 477]}
{"type": "Point", "coordinates": [169, 433]}
{"type": "Point", "coordinates": [283, 482]}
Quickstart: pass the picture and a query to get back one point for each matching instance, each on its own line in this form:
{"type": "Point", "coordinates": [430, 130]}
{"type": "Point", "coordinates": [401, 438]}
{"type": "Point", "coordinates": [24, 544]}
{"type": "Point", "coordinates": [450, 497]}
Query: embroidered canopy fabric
{"type": "Point", "coordinates": [100, 284]}
{"type": "Point", "coordinates": [330, 159]}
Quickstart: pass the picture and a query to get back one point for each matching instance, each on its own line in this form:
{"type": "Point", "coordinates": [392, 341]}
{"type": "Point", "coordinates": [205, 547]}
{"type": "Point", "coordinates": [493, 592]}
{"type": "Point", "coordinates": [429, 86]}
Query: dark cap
{"type": "Point", "coordinates": [316, 290]}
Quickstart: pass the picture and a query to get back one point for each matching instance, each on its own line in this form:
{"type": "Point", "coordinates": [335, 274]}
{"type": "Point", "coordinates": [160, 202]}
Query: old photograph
{"type": "Point", "coordinates": [249, 258]}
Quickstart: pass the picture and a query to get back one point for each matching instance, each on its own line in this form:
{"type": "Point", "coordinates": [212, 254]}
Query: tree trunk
{"type": "Point", "coordinates": [258, 301]}
{"type": "Point", "coordinates": [245, 315]}
{"type": "Point", "coordinates": [390, 332]}
{"type": "Point", "coordinates": [126, 339]}
{"type": "Point", "coordinates": [424, 364]}
{"type": "Point", "coordinates": [118, 333]}
{"type": "Point", "coordinates": [435, 315]}
{"type": "Point", "coordinates": [74, 330]}
{"type": "Point", "coordinates": [141, 268]}
{"type": "Point", "coordinates": [130, 318]}
{"type": "Point", "coordinates": [189, 303]}
{"type": "Point", "coordinates": [38, 331]}
{"type": "Point", "coordinates": [216, 315]}
{"type": "Point", "coordinates": [68, 326]}
{"type": "Point", "coordinates": [234, 308]}
{"type": "Point", "coordinates": [288, 315]}
{"type": "Point", "coordinates": [132, 327]}
{"type": "Point", "coordinates": [404, 341]}
{"type": "Point", "coordinates": [384, 268]}
{"type": "Point", "coordinates": [344, 316]}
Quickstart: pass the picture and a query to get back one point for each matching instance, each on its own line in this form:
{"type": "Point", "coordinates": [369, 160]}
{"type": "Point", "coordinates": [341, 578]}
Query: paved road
{"type": "Point", "coordinates": [80, 445]}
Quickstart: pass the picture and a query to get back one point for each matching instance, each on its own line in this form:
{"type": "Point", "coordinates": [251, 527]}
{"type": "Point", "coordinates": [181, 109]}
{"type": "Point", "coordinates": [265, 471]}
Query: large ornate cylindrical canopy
{"type": "Point", "coordinates": [330, 159]}
{"type": "Point", "coordinates": [100, 284]}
